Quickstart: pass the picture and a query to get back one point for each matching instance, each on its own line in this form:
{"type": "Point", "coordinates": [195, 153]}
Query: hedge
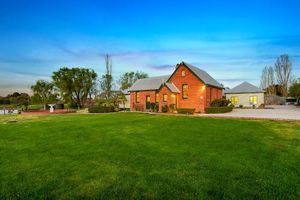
{"type": "Point", "coordinates": [101, 109]}
{"type": "Point", "coordinates": [165, 108]}
{"type": "Point", "coordinates": [219, 109]}
{"type": "Point", "coordinates": [185, 110]}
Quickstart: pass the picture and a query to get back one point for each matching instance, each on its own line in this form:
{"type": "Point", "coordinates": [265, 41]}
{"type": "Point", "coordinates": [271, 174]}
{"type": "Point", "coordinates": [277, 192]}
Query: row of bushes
{"type": "Point", "coordinates": [101, 109]}
{"type": "Point", "coordinates": [185, 110]}
{"type": "Point", "coordinates": [219, 109]}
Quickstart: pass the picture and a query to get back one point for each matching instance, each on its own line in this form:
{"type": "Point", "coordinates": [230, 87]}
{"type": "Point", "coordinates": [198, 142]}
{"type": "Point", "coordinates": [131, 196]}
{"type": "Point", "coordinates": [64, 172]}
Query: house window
{"type": "Point", "coordinates": [148, 99]}
{"type": "Point", "coordinates": [183, 73]}
{"type": "Point", "coordinates": [157, 98]}
{"type": "Point", "coordinates": [253, 100]}
{"type": "Point", "coordinates": [165, 98]}
{"type": "Point", "coordinates": [234, 100]}
{"type": "Point", "coordinates": [184, 91]}
{"type": "Point", "coordinates": [137, 98]}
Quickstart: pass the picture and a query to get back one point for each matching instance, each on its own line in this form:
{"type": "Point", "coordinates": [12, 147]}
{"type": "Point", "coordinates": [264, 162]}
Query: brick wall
{"type": "Point", "coordinates": [196, 89]}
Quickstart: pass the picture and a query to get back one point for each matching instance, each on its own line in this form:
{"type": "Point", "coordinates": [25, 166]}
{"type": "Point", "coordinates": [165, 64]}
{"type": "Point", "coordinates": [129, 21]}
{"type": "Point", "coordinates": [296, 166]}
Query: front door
{"type": "Point", "coordinates": [174, 101]}
{"type": "Point", "coordinates": [148, 104]}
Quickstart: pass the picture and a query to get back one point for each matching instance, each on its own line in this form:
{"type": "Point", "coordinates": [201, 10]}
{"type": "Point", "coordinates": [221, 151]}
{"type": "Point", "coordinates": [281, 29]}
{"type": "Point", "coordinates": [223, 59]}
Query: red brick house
{"type": "Point", "coordinates": [187, 87]}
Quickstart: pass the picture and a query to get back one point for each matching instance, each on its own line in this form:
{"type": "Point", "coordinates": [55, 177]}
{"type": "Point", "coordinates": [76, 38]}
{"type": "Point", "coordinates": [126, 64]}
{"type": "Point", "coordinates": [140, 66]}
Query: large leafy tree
{"type": "Point", "coordinates": [283, 70]}
{"type": "Point", "coordinates": [129, 78]}
{"type": "Point", "coordinates": [294, 90]}
{"type": "Point", "coordinates": [74, 84]}
{"type": "Point", "coordinates": [44, 92]}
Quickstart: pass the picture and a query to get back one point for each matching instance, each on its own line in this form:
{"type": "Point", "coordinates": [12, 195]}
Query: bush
{"type": "Point", "coordinates": [101, 109]}
{"type": "Point", "coordinates": [185, 110]}
{"type": "Point", "coordinates": [220, 103]}
{"type": "Point", "coordinates": [241, 106]}
{"type": "Point", "coordinates": [36, 107]}
{"type": "Point", "coordinates": [59, 106]}
{"type": "Point", "coordinates": [219, 109]}
{"type": "Point", "coordinates": [164, 108]}
{"type": "Point", "coordinates": [156, 107]}
{"type": "Point", "coordinates": [152, 106]}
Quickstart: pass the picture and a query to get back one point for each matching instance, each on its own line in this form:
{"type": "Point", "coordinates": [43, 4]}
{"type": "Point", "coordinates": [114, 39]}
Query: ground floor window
{"type": "Point", "coordinates": [157, 98]}
{"type": "Point", "coordinates": [137, 97]}
{"type": "Point", "coordinates": [234, 100]}
{"type": "Point", "coordinates": [253, 100]}
{"type": "Point", "coordinates": [165, 98]}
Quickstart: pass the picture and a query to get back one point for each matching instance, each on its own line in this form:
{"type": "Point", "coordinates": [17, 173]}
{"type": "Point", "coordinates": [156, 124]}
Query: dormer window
{"type": "Point", "coordinates": [183, 73]}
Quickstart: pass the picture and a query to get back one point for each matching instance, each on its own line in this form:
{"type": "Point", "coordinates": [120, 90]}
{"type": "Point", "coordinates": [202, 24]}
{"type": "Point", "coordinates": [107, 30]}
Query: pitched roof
{"type": "Point", "coordinates": [172, 87]}
{"type": "Point", "coordinates": [203, 75]}
{"type": "Point", "coordinates": [152, 83]}
{"type": "Point", "coordinates": [244, 87]}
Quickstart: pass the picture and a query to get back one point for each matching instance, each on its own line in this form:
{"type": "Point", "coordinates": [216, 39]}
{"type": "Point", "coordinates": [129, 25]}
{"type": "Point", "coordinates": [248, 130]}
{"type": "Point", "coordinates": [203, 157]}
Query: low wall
{"type": "Point", "coordinates": [274, 100]}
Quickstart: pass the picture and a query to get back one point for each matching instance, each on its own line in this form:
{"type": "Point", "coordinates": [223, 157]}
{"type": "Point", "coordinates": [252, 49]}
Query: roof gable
{"type": "Point", "coordinates": [244, 87]}
{"type": "Point", "coordinates": [200, 74]}
{"type": "Point", "coordinates": [171, 87]}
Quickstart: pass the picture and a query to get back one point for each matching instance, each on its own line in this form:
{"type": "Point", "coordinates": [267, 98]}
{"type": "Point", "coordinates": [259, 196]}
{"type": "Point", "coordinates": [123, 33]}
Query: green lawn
{"type": "Point", "coordinates": [141, 156]}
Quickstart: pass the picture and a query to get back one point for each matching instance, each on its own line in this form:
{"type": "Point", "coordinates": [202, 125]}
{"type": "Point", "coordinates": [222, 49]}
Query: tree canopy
{"type": "Point", "coordinates": [283, 69]}
{"type": "Point", "coordinates": [294, 89]}
{"type": "Point", "coordinates": [44, 92]}
{"type": "Point", "coordinates": [106, 81]}
{"type": "Point", "coordinates": [74, 84]}
{"type": "Point", "coordinates": [129, 78]}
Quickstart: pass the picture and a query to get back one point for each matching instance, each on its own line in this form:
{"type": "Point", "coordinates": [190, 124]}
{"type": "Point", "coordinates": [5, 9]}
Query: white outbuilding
{"type": "Point", "coordinates": [245, 95]}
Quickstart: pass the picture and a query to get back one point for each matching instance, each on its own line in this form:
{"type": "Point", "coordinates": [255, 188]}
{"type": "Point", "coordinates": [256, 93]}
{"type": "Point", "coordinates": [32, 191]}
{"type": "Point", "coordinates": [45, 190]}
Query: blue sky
{"type": "Point", "coordinates": [232, 40]}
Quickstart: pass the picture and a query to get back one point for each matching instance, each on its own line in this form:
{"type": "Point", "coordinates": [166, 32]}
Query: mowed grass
{"type": "Point", "coordinates": [142, 156]}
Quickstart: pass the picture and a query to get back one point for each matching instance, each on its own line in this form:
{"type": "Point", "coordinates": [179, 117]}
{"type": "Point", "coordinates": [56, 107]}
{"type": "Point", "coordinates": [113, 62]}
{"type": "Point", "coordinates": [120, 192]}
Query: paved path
{"type": "Point", "coordinates": [273, 112]}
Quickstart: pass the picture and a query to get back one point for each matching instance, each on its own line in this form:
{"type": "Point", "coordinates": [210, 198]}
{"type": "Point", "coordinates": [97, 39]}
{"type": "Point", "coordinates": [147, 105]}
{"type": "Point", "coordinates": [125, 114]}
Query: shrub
{"type": "Point", "coordinates": [59, 106]}
{"type": "Point", "coordinates": [152, 106]}
{"type": "Point", "coordinates": [220, 103]}
{"type": "Point", "coordinates": [218, 109]}
{"type": "Point", "coordinates": [101, 109]}
{"type": "Point", "coordinates": [156, 107]}
{"type": "Point", "coordinates": [185, 110]}
{"type": "Point", "coordinates": [35, 107]}
{"type": "Point", "coordinates": [164, 108]}
{"type": "Point", "coordinates": [241, 106]}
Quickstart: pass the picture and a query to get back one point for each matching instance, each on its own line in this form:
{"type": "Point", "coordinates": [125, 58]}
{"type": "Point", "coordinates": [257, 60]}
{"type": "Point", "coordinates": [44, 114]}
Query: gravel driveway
{"type": "Point", "coordinates": [272, 112]}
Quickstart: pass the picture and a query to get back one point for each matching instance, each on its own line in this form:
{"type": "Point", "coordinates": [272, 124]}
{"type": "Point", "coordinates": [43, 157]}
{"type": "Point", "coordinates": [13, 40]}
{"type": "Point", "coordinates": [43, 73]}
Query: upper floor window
{"type": "Point", "coordinates": [183, 73]}
{"type": "Point", "coordinates": [185, 91]}
{"type": "Point", "coordinates": [165, 98]}
{"type": "Point", "coordinates": [234, 100]}
{"type": "Point", "coordinates": [137, 97]}
{"type": "Point", "coordinates": [253, 100]}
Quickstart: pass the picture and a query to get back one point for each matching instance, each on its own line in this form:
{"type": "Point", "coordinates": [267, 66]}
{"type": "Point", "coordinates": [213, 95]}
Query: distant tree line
{"type": "Point", "coordinates": [17, 99]}
{"type": "Point", "coordinates": [77, 86]}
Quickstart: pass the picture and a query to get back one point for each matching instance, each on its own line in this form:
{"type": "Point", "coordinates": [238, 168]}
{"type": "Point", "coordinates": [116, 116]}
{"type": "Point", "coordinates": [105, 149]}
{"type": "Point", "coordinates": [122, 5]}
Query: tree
{"type": "Point", "coordinates": [129, 78]}
{"type": "Point", "coordinates": [74, 84]}
{"type": "Point", "coordinates": [267, 80]}
{"type": "Point", "coordinates": [263, 78]}
{"type": "Point", "coordinates": [283, 69]}
{"type": "Point", "coordinates": [107, 79]}
{"type": "Point", "coordinates": [19, 99]}
{"type": "Point", "coordinates": [294, 90]}
{"type": "Point", "coordinates": [43, 92]}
